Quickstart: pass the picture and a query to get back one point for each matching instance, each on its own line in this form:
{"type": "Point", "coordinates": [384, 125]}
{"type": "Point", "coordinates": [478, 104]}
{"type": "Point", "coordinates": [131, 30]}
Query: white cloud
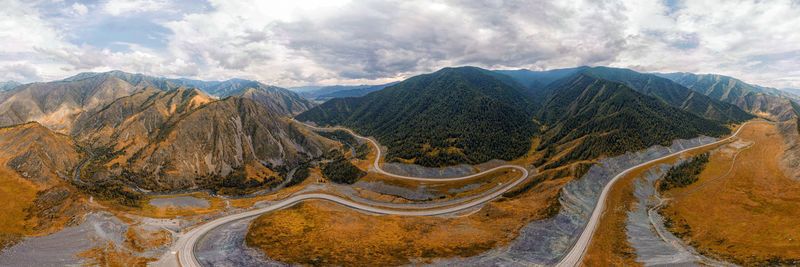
{"type": "Point", "coordinates": [305, 41]}
{"type": "Point", "coordinates": [128, 7]}
{"type": "Point", "coordinates": [79, 9]}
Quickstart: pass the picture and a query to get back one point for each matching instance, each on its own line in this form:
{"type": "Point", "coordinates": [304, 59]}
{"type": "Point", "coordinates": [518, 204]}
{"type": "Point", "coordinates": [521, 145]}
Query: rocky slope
{"type": "Point", "coordinates": [57, 104]}
{"type": "Point", "coordinates": [673, 94]}
{"type": "Point", "coordinates": [276, 99]}
{"type": "Point", "coordinates": [279, 100]}
{"type": "Point", "coordinates": [762, 101]}
{"type": "Point", "coordinates": [37, 153]}
{"type": "Point", "coordinates": [165, 140]}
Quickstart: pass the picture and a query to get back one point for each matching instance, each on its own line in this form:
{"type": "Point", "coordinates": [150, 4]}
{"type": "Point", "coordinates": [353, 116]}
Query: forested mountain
{"type": "Point", "coordinates": [672, 93]}
{"type": "Point", "coordinates": [455, 115]}
{"type": "Point", "coordinates": [163, 140]}
{"type": "Point", "coordinates": [762, 101]}
{"type": "Point", "coordinates": [536, 81]}
{"type": "Point", "coordinates": [325, 93]}
{"type": "Point", "coordinates": [354, 92]}
{"type": "Point", "coordinates": [433, 119]}
{"type": "Point", "coordinates": [590, 117]}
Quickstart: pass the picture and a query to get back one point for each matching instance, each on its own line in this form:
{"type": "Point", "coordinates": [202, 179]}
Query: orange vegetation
{"type": "Point", "coordinates": [215, 204]}
{"type": "Point", "coordinates": [322, 233]}
{"type": "Point", "coordinates": [609, 244]}
{"type": "Point", "coordinates": [112, 255]}
{"type": "Point", "coordinates": [749, 216]}
{"type": "Point", "coordinates": [140, 239]}
{"type": "Point", "coordinates": [16, 194]}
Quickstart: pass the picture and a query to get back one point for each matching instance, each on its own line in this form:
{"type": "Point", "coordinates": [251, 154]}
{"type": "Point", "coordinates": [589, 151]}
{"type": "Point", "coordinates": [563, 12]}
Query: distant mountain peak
{"type": "Point", "coordinates": [8, 85]}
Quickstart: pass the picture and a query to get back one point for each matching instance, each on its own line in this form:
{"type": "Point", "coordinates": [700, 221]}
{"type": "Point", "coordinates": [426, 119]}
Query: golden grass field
{"type": "Point", "coordinates": [751, 216]}
{"type": "Point", "coordinates": [610, 244]}
{"type": "Point", "coordinates": [16, 194]}
{"type": "Point", "coordinates": [323, 233]}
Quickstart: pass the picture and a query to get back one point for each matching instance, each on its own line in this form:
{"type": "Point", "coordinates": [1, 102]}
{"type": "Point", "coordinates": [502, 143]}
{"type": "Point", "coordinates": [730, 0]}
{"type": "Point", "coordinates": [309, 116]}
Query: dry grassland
{"type": "Point", "coordinates": [749, 216]}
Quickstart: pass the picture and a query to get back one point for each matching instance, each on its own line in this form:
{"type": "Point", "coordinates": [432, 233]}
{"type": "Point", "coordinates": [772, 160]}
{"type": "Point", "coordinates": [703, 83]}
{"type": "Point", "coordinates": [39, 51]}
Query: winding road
{"type": "Point", "coordinates": [185, 245]}
{"type": "Point", "coordinates": [376, 163]}
{"type": "Point", "coordinates": [575, 256]}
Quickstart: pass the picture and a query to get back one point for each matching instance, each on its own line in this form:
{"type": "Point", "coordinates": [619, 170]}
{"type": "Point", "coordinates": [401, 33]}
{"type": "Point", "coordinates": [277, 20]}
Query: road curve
{"type": "Point", "coordinates": [186, 243]}
{"type": "Point", "coordinates": [376, 163]}
{"type": "Point", "coordinates": [575, 255]}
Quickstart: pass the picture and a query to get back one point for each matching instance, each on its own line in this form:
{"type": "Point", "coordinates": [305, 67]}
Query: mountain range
{"type": "Point", "coordinates": [325, 93]}
{"type": "Point", "coordinates": [171, 134]}
{"type": "Point", "coordinates": [165, 139]}
{"type": "Point", "coordinates": [766, 102]}
{"type": "Point", "coordinates": [57, 104]}
{"type": "Point", "coordinates": [471, 115]}
{"type": "Point", "coordinates": [455, 115]}
{"type": "Point", "coordinates": [8, 85]}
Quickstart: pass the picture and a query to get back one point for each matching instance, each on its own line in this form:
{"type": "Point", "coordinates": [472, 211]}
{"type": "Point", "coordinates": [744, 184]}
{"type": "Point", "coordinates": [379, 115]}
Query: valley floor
{"type": "Point", "coordinates": [743, 209]}
{"type": "Point", "coordinates": [534, 223]}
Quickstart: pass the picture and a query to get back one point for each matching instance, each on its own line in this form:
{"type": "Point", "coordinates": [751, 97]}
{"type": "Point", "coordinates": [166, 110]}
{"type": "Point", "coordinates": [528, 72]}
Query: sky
{"type": "Point", "coordinates": [326, 42]}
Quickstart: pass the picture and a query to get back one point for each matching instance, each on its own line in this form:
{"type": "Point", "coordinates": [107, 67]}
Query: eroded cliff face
{"type": "Point", "coordinates": [37, 153]}
{"type": "Point", "coordinates": [276, 99]}
{"type": "Point", "coordinates": [57, 104]}
{"type": "Point", "coordinates": [167, 140]}
{"type": "Point", "coordinates": [761, 101]}
{"type": "Point", "coordinates": [767, 106]}
{"type": "Point", "coordinates": [790, 158]}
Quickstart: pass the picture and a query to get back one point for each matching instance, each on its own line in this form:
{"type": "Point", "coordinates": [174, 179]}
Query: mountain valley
{"type": "Point", "coordinates": [112, 143]}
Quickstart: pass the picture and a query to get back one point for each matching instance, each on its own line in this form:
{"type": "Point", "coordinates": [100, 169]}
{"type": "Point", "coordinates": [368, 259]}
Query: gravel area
{"type": "Point", "coordinates": [419, 171]}
{"type": "Point", "coordinates": [224, 246]}
{"type": "Point", "coordinates": [541, 242]}
{"type": "Point", "coordinates": [422, 193]}
{"type": "Point", "coordinates": [59, 249]}
{"type": "Point", "coordinates": [650, 248]}
{"type": "Point", "coordinates": [544, 242]}
{"type": "Point", "coordinates": [181, 202]}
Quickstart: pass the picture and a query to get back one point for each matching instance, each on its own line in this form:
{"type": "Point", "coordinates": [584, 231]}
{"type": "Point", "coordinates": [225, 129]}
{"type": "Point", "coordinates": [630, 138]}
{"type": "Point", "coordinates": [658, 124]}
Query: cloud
{"type": "Point", "coordinates": [18, 72]}
{"type": "Point", "coordinates": [367, 41]}
{"type": "Point", "coordinates": [78, 9]}
{"type": "Point", "coordinates": [128, 7]}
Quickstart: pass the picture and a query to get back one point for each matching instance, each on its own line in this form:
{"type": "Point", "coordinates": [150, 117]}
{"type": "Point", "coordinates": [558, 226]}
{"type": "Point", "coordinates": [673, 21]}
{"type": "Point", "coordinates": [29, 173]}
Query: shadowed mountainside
{"type": "Point", "coordinates": [590, 117]}
{"type": "Point", "coordinates": [762, 101]}
{"type": "Point", "coordinates": [454, 115]}
{"type": "Point", "coordinates": [673, 93]}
